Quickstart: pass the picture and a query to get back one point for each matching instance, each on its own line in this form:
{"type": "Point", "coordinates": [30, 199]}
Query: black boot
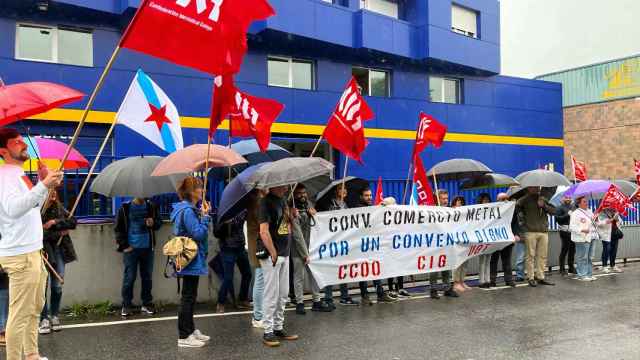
{"type": "Point", "coordinates": [434, 294]}
{"type": "Point", "coordinates": [300, 309]}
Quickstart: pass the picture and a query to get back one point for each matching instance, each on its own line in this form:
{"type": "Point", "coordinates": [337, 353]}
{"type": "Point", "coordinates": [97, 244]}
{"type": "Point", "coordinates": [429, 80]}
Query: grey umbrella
{"type": "Point", "coordinates": [489, 181]}
{"type": "Point", "coordinates": [627, 187]}
{"type": "Point", "coordinates": [542, 178]}
{"type": "Point", "coordinates": [132, 177]}
{"type": "Point", "coordinates": [457, 169]}
{"type": "Point", "coordinates": [289, 171]}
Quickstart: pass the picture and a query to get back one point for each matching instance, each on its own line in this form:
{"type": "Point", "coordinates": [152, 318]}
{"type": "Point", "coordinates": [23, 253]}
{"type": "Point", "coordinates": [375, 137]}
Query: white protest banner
{"type": "Point", "coordinates": [380, 242]}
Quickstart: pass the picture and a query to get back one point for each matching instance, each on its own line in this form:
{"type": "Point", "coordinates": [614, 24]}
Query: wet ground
{"type": "Point", "coordinates": [572, 320]}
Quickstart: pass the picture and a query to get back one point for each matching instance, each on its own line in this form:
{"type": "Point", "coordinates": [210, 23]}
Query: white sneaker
{"type": "Point", "coordinates": [593, 278]}
{"type": "Point", "coordinates": [258, 324]}
{"type": "Point", "coordinates": [45, 327]}
{"type": "Point", "coordinates": [616, 269]}
{"type": "Point", "coordinates": [200, 336]}
{"type": "Point", "coordinates": [584, 278]}
{"type": "Point", "coordinates": [190, 342]}
{"type": "Point", "coordinates": [55, 324]}
{"type": "Point", "coordinates": [606, 270]}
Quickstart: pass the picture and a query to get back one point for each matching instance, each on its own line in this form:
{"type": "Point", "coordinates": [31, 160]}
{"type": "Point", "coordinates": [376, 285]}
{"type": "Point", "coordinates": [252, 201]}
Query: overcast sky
{"type": "Point", "coordinates": [543, 36]}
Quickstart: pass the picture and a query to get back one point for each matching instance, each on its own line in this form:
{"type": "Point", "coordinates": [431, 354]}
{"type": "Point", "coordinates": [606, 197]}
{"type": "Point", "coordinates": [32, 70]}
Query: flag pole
{"type": "Point", "coordinates": [313, 152]}
{"type": "Point", "coordinates": [89, 174]}
{"type": "Point", "coordinates": [573, 167]}
{"type": "Point", "coordinates": [435, 184]}
{"type": "Point", "coordinates": [315, 148]}
{"type": "Point", "coordinates": [206, 170]}
{"type": "Point", "coordinates": [406, 185]}
{"type": "Point", "coordinates": [344, 174]}
{"type": "Point", "coordinates": [85, 113]}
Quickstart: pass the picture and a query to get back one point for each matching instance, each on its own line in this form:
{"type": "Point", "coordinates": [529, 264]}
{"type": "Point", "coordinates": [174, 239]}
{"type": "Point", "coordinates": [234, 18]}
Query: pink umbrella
{"type": "Point", "coordinates": [193, 159]}
{"type": "Point", "coordinates": [50, 152]}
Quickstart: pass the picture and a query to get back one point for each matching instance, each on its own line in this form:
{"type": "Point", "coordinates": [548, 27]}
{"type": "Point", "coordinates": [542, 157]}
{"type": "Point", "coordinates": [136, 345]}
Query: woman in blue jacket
{"type": "Point", "coordinates": [192, 222]}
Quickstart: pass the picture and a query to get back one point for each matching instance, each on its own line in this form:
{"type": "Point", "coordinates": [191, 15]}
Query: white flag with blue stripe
{"type": "Point", "coordinates": [413, 200]}
{"type": "Point", "coordinates": [147, 110]}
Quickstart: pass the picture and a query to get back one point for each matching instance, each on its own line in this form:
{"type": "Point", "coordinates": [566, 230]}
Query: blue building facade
{"type": "Point", "coordinates": [437, 56]}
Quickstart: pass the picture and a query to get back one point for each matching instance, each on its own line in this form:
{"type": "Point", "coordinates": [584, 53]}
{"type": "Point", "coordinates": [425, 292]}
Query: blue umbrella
{"type": "Point", "coordinates": [250, 150]}
{"type": "Point", "coordinates": [234, 197]}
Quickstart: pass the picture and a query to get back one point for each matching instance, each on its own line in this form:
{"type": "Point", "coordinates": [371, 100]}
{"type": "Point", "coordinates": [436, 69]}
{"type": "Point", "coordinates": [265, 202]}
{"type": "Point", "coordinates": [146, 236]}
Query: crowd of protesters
{"type": "Point", "coordinates": [274, 227]}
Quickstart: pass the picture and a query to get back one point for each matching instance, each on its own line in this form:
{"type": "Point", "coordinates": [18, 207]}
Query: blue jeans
{"type": "Point", "coordinates": [609, 252]}
{"type": "Point", "coordinates": [258, 293]}
{"type": "Point", "coordinates": [231, 256]}
{"type": "Point", "coordinates": [53, 307]}
{"type": "Point", "coordinates": [143, 259]}
{"type": "Point", "coordinates": [521, 251]}
{"type": "Point", "coordinates": [328, 293]}
{"type": "Point", "coordinates": [4, 308]}
{"type": "Point", "coordinates": [584, 266]}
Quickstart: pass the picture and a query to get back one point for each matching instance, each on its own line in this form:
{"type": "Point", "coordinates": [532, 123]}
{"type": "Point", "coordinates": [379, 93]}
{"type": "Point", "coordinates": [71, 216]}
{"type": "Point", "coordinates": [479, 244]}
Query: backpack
{"type": "Point", "coordinates": [180, 252]}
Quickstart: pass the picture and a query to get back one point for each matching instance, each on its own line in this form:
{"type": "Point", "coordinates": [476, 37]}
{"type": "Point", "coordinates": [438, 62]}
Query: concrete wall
{"type": "Point", "coordinates": [97, 276]}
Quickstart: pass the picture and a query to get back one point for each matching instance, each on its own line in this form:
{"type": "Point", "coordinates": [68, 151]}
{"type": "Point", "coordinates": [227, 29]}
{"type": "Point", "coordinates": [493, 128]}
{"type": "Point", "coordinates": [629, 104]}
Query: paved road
{"type": "Point", "coordinates": [573, 320]}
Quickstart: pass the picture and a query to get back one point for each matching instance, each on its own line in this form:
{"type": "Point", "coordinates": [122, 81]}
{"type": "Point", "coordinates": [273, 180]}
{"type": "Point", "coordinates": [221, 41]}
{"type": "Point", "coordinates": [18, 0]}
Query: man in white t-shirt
{"type": "Point", "coordinates": [21, 244]}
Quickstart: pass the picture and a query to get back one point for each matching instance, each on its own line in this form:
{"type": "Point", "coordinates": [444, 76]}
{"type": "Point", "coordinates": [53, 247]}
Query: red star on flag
{"type": "Point", "coordinates": [158, 116]}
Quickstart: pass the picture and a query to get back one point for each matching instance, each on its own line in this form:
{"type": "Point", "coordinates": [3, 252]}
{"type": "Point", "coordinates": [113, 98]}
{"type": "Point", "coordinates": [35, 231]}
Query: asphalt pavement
{"type": "Point", "coordinates": [572, 320]}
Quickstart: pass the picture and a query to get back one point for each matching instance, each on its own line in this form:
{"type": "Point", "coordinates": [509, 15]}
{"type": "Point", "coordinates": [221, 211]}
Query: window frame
{"type": "Point", "coordinates": [459, 31]}
{"type": "Point", "coordinates": [369, 71]}
{"type": "Point", "coordinates": [290, 61]}
{"type": "Point", "coordinates": [55, 55]}
{"type": "Point", "coordinates": [364, 5]}
{"type": "Point", "coordinates": [459, 87]}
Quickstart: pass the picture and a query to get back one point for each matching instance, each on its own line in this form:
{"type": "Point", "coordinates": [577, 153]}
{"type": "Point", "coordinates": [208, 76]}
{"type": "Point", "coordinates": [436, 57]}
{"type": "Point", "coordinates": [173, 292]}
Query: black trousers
{"type": "Point", "coordinates": [568, 250]}
{"type": "Point", "coordinates": [399, 283]}
{"type": "Point", "coordinates": [505, 256]}
{"type": "Point", "coordinates": [186, 326]}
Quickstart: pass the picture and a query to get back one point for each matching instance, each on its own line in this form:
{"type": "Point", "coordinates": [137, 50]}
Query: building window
{"type": "Point", "coordinates": [464, 21]}
{"type": "Point", "coordinates": [445, 90]}
{"type": "Point", "coordinates": [384, 7]}
{"type": "Point", "coordinates": [54, 44]}
{"type": "Point", "coordinates": [291, 73]}
{"type": "Point", "coordinates": [372, 82]}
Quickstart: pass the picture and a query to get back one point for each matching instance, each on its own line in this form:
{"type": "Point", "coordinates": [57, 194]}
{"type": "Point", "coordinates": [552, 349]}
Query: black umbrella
{"type": "Point", "coordinates": [354, 188]}
{"type": "Point", "coordinates": [458, 169]}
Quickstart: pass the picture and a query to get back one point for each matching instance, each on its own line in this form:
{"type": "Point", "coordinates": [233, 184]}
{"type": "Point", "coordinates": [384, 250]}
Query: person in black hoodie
{"type": "Point", "coordinates": [60, 251]}
{"type": "Point", "coordinates": [568, 250]}
{"type": "Point", "coordinates": [232, 251]}
{"type": "Point", "coordinates": [136, 224]}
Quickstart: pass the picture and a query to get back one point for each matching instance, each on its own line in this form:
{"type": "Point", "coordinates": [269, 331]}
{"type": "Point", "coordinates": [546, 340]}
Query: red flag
{"type": "Point", "coordinates": [430, 131]}
{"type": "Point", "coordinates": [579, 169]}
{"type": "Point", "coordinates": [222, 103]}
{"type": "Point", "coordinates": [636, 166]}
{"type": "Point", "coordinates": [379, 195]}
{"type": "Point", "coordinates": [345, 130]}
{"type": "Point", "coordinates": [249, 116]}
{"type": "Point", "coordinates": [423, 188]}
{"type": "Point", "coordinates": [615, 199]}
{"type": "Point", "coordinates": [208, 35]}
